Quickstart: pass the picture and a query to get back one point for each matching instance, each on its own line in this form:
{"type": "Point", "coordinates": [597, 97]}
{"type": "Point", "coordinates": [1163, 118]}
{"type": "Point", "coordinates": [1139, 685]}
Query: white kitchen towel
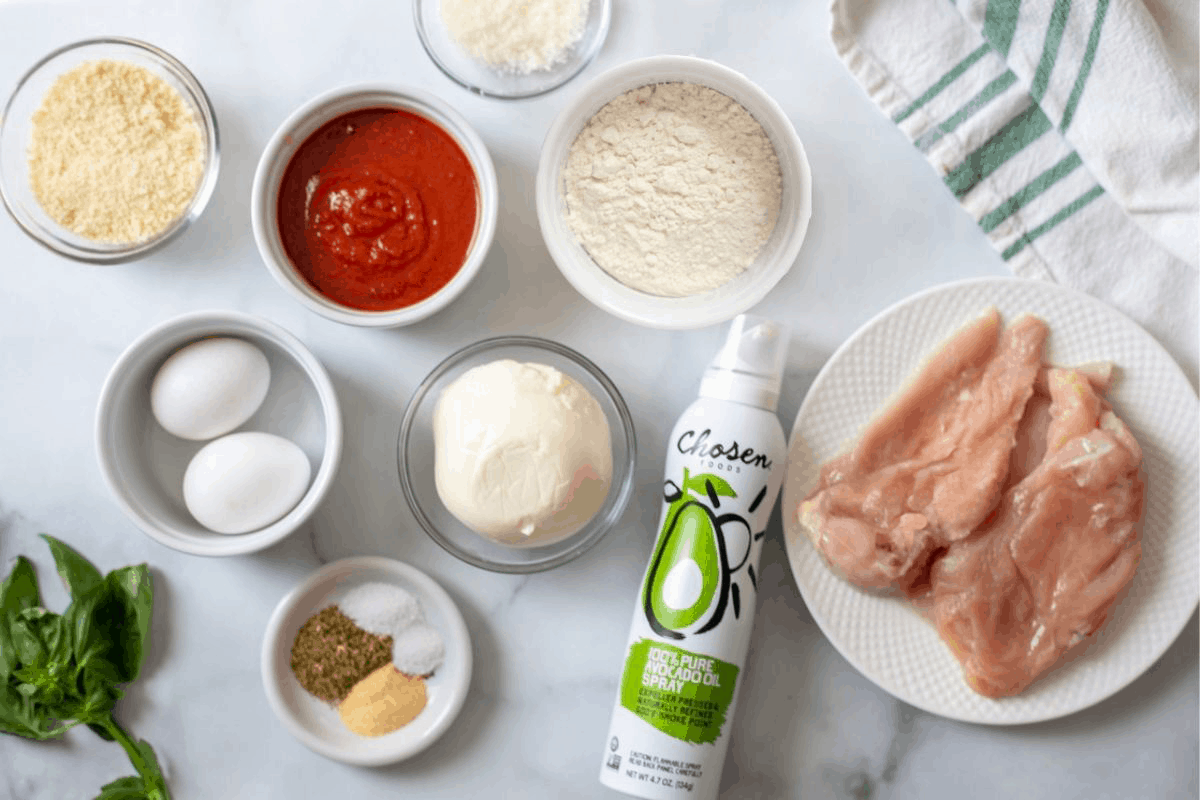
{"type": "Point", "coordinates": [1067, 128]}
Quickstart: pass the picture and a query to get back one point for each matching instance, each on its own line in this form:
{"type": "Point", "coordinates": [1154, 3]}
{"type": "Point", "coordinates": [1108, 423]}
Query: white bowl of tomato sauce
{"type": "Point", "coordinates": [374, 205]}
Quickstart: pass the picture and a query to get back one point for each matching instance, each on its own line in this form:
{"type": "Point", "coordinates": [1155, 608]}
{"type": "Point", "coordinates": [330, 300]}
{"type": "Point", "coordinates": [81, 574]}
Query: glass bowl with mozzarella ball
{"type": "Point", "coordinates": [417, 458]}
{"type": "Point", "coordinates": [145, 466]}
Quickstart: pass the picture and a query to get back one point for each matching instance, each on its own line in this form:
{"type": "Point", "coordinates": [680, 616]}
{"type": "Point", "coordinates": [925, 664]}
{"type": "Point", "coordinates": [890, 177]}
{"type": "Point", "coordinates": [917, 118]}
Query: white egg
{"type": "Point", "coordinates": [245, 481]}
{"type": "Point", "coordinates": [209, 387]}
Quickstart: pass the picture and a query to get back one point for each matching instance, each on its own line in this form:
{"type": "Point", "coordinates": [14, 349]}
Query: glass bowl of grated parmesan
{"type": "Point", "coordinates": [511, 49]}
{"type": "Point", "coordinates": [108, 150]}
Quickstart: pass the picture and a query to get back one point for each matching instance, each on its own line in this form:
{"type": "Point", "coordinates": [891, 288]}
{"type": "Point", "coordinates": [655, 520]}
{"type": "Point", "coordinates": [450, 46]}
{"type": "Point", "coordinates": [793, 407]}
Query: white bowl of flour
{"type": "Point", "coordinates": [673, 192]}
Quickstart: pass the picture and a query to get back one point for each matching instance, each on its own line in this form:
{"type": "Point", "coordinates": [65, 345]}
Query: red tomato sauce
{"type": "Point", "coordinates": [377, 209]}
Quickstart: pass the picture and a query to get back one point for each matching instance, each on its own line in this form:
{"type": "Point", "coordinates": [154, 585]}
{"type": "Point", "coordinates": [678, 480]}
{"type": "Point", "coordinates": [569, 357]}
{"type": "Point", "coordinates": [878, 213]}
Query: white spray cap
{"type": "Point", "coordinates": [749, 367]}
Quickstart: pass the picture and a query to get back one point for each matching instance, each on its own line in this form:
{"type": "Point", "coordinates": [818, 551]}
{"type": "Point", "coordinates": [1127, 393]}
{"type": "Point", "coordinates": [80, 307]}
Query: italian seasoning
{"type": "Point", "coordinates": [331, 654]}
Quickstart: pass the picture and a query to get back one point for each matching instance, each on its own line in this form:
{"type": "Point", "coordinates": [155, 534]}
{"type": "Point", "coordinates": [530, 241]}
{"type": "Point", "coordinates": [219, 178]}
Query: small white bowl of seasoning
{"type": "Point", "coordinates": [108, 150]}
{"type": "Point", "coordinates": [219, 433]}
{"type": "Point", "coordinates": [367, 703]}
{"type": "Point", "coordinates": [673, 192]}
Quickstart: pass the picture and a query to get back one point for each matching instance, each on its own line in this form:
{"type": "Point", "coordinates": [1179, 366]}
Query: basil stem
{"type": "Point", "coordinates": [141, 756]}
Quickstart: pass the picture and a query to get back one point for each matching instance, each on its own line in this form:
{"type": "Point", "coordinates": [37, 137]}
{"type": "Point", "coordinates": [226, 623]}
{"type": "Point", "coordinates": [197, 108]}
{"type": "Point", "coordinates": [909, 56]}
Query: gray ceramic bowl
{"type": "Point", "coordinates": [143, 465]}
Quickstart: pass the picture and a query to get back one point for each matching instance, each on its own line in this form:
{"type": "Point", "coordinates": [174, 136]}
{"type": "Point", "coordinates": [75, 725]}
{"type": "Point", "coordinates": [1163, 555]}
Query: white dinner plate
{"type": "Point", "coordinates": [882, 636]}
{"type": "Point", "coordinates": [316, 723]}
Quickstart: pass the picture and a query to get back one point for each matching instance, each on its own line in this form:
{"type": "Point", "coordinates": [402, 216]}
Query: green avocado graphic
{"type": "Point", "coordinates": [688, 581]}
{"type": "Point", "coordinates": [689, 573]}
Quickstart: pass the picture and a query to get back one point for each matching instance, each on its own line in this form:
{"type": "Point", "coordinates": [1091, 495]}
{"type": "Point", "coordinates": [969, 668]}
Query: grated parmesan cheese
{"type": "Point", "coordinates": [115, 154]}
{"type": "Point", "coordinates": [515, 35]}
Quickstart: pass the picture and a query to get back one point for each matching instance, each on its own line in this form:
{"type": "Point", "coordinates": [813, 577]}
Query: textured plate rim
{"type": "Point", "coordinates": [794, 538]}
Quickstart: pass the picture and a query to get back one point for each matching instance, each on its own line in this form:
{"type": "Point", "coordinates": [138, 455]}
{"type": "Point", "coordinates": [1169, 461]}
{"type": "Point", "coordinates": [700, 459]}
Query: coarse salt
{"type": "Point", "coordinates": [418, 650]}
{"type": "Point", "coordinates": [381, 608]}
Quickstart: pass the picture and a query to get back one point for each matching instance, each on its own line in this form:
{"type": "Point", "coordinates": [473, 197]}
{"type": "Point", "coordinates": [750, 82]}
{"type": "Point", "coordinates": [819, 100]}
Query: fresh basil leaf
{"type": "Point", "coordinates": [49, 627]}
{"type": "Point", "coordinates": [14, 726]}
{"type": "Point", "coordinates": [25, 642]}
{"type": "Point", "coordinates": [20, 588]}
{"type": "Point", "coordinates": [61, 650]}
{"type": "Point", "coordinates": [100, 700]}
{"type": "Point", "coordinates": [77, 573]}
{"type": "Point", "coordinates": [8, 651]}
{"type": "Point", "coordinates": [79, 616]}
{"type": "Point", "coordinates": [12, 716]}
{"type": "Point", "coordinates": [129, 788]}
{"type": "Point", "coordinates": [151, 772]}
{"type": "Point", "coordinates": [127, 609]}
{"type": "Point", "coordinates": [110, 621]}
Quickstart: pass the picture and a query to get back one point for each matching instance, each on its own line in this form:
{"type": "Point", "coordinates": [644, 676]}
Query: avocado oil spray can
{"type": "Point", "coordinates": [695, 611]}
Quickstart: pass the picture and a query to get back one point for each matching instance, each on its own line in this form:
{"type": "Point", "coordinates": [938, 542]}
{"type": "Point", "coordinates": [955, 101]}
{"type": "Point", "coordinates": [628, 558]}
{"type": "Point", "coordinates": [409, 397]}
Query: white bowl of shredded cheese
{"type": "Point", "coordinates": [108, 150]}
{"type": "Point", "coordinates": [673, 192]}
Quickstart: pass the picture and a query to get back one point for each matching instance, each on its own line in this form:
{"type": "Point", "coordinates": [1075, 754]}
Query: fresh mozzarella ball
{"type": "Point", "coordinates": [209, 387]}
{"type": "Point", "coordinates": [245, 481]}
{"type": "Point", "coordinates": [522, 452]}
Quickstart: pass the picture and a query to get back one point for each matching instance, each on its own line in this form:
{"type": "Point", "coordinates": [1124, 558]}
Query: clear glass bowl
{"type": "Point", "coordinates": [415, 457]}
{"type": "Point", "coordinates": [16, 125]}
{"type": "Point", "coordinates": [475, 75]}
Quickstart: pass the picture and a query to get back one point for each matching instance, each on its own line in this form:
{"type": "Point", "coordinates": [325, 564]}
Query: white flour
{"type": "Point", "coordinates": [672, 188]}
{"type": "Point", "coordinates": [517, 35]}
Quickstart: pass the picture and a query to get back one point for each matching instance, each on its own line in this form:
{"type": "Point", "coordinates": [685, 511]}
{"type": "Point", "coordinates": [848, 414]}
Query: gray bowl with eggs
{"type": "Point", "coordinates": [144, 465]}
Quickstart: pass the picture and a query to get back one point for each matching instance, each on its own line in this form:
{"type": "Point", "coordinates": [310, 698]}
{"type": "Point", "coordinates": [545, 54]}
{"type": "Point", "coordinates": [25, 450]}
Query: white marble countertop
{"type": "Point", "coordinates": [808, 724]}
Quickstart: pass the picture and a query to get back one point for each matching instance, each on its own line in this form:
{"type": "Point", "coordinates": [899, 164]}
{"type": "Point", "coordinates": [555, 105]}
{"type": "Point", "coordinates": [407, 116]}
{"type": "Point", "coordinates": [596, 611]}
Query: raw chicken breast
{"type": "Point", "coordinates": [931, 467]}
{"type": "Point", "coordinates": [1045, 571]}
{"type": "Point", "coordinates": [1032, 432]}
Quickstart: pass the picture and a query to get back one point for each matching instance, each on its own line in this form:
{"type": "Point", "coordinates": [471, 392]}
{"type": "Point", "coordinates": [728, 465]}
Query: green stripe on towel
{"type": "Point", "coordinates": [1029, 192]}
{"type": "Point", "coordinates": [1048, 225]}
{"type": "Point", "coordinates": [1085, 67]}
{"type": "Point", "coordinates": [1000, 23]}
{"type": "Point", "coordinates": [1054, 35]}
{"type": "Point", "coordinates": [991, 155]}
{"type": "Point", "coordinates": [947, 79]}
{"type": "Point", "coordinates": [972, 106]}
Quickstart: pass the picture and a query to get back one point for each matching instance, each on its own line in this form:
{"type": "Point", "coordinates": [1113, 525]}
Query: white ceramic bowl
{"type": "Point", "coordinates": [303, 123]}
{"type": "Point", "coordinates": [143, 465]}
{"type": "Point", "coordinates": [15, 128]}
{"type": "Point", "coordinates": [459, 66]}
{"type": "Point", "coordinates": [694, 311]}
{"type": "Point", "coordinates": [317, 724]}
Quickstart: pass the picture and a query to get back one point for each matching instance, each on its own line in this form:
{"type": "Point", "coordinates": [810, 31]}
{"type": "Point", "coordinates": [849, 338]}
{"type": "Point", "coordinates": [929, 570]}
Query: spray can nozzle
{"type": "Point", "coordinates": [749, 366]}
